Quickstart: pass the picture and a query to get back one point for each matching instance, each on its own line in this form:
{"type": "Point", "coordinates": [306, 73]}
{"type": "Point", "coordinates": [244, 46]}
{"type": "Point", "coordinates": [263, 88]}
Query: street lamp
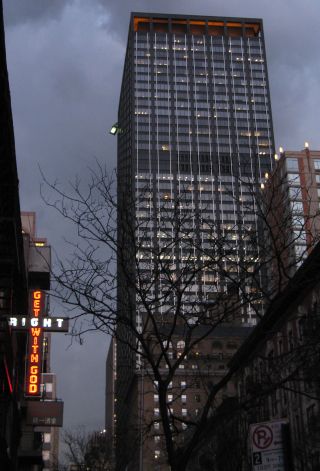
{"type": "Point", "coordinates": [115, 129]}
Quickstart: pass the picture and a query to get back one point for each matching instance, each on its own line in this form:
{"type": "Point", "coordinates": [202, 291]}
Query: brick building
{"type": "Point", "coordinates": [292, 196]}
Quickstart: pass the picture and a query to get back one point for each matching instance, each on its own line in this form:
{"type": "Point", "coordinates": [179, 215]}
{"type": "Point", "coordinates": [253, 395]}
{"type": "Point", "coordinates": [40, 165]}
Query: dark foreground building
{"type": "Point", "coordinates": [26, 422]}
{"type": "Point", "coordinates": [13, 279]}
{"type": "Point", "coordinates": [195, 137]}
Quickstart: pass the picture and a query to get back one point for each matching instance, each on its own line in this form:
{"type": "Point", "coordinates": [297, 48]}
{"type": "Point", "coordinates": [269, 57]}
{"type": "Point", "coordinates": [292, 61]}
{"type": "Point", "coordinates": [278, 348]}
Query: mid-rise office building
{"type": "Point", "coordinates": [195, 141]}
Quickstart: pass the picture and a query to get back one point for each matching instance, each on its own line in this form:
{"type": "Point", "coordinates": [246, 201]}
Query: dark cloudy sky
{"type": "Point", "coordinates": [65, 60]}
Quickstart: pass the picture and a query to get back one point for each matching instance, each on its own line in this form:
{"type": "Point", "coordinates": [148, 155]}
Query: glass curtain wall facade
{"type": "Point", "coordinates": [196, 128]}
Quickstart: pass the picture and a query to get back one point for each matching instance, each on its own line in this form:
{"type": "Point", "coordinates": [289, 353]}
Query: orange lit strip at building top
{"type": "Point", "coordinates": [34, 357]}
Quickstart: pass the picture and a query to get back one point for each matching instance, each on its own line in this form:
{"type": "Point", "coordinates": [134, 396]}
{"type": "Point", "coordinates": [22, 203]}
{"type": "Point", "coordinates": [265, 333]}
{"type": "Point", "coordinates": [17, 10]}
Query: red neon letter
{"type": "Point", "coordinates": [34, 358]}
{"type": "Point", "coordinates": [35, 331]}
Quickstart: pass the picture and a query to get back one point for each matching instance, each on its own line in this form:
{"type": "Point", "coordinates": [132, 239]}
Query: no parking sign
{"type": "Point", "coordinates": [267, 446]}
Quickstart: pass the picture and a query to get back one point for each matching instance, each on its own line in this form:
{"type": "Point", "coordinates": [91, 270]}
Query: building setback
{"type": "Point", "coordinates": [195, 137]}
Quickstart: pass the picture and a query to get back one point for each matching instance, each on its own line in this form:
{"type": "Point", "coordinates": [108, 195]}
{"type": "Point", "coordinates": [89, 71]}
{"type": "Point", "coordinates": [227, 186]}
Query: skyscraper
{"type": "Point", "coordinates": [195, 138]}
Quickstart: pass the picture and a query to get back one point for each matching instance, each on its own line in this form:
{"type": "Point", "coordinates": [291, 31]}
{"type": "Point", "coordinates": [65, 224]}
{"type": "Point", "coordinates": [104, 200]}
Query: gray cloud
{"type": "Point", "coordinates": [22, 11]}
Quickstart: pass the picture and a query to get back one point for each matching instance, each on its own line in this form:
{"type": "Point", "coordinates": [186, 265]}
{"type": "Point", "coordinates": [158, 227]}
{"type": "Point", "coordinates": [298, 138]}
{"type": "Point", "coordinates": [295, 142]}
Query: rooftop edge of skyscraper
{"type": "Point", "coordinates": [161, 20]}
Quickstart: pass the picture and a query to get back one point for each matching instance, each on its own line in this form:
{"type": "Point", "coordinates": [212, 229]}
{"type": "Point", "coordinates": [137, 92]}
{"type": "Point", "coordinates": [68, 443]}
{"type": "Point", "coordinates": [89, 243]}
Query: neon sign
{"type": "Point", "coordinates": [34, 358]}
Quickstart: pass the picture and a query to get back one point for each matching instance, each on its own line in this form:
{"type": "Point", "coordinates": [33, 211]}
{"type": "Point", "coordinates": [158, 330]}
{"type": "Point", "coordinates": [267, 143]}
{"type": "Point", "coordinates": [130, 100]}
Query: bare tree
{"type": "Point", "coordinates": [163, 283]}
{"type": "Point", "coordinates": [87, 451]}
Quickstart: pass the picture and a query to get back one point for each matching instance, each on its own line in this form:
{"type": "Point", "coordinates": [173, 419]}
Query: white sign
{"type": "Point", "coordinates": [267, 446]}
{"type": "Point", "coordinates": [54, 324]}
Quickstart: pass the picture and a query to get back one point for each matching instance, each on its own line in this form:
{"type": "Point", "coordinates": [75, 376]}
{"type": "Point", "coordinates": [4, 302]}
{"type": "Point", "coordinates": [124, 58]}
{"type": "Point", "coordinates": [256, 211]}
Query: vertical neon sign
{"type": "Point", "coordinates": [34, 358]}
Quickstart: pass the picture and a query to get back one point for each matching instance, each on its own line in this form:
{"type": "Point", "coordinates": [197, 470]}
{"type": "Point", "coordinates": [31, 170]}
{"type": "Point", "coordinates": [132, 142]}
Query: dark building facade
{"type": "Point", "coordinates": [195, 137]}
{"type": "Point", "coordinates": [13, 278]}
{"type": "Point", "coordinates": [24, 271]}
{"type": "Point", "coordinates": [279, 377]}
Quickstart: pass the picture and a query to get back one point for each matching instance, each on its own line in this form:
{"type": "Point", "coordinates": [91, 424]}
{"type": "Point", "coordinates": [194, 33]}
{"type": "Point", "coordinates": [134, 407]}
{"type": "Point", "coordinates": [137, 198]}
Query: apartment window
{"type": "Point", "coordinates": [46, 438]}
{"type": "Point", "coordinates": [316, 164]}
{"type": "Point", "coordinates": [295, 192]}
{"type": "Point", "coordinates": [48, 387]}
{"type": "Point", "coordinates": [298, 428]}
{"type": "Point", "coordinates": [293, 179]}
{"type": "Point", "coordinates": [157, 454]}
{"type": "Point", "coordinates": [156, 398]}
{"type": "Point", "coordinates": [297, 206]}
{"type": "Point", "coordinates": [183, 398]}
{"type": "Point", "coordinates": [170, 397]}
{"type": "Point", "coordinates": [156, 425]}
{"type": "Point", "coordinates": [46, 455]}
{"type": "Point", "coordinates": [156, 412]}
{"type": "Point", "coordinates": [292, 164]}
{"type": "Point", "coordinates": [156, 438]}
{"type": "Point", "coordinates": [311, 416]}
{"type": "Point", "coordinates": [300, 237]}
{"type": "Point", "coordinates": [290, 340]}
{"type": "Point", "coordinates": [184, 412]}
{"type": "Point", "coordinates": [301, 251]}
{"type": "Point", "coordinates": [298, 221]}
{"type": "Point", "coordinates": [301, 328]}
{"type": "Point", "coordinates": [274, 403]}
{"type": "Point", "coordinates": [183, 384]}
